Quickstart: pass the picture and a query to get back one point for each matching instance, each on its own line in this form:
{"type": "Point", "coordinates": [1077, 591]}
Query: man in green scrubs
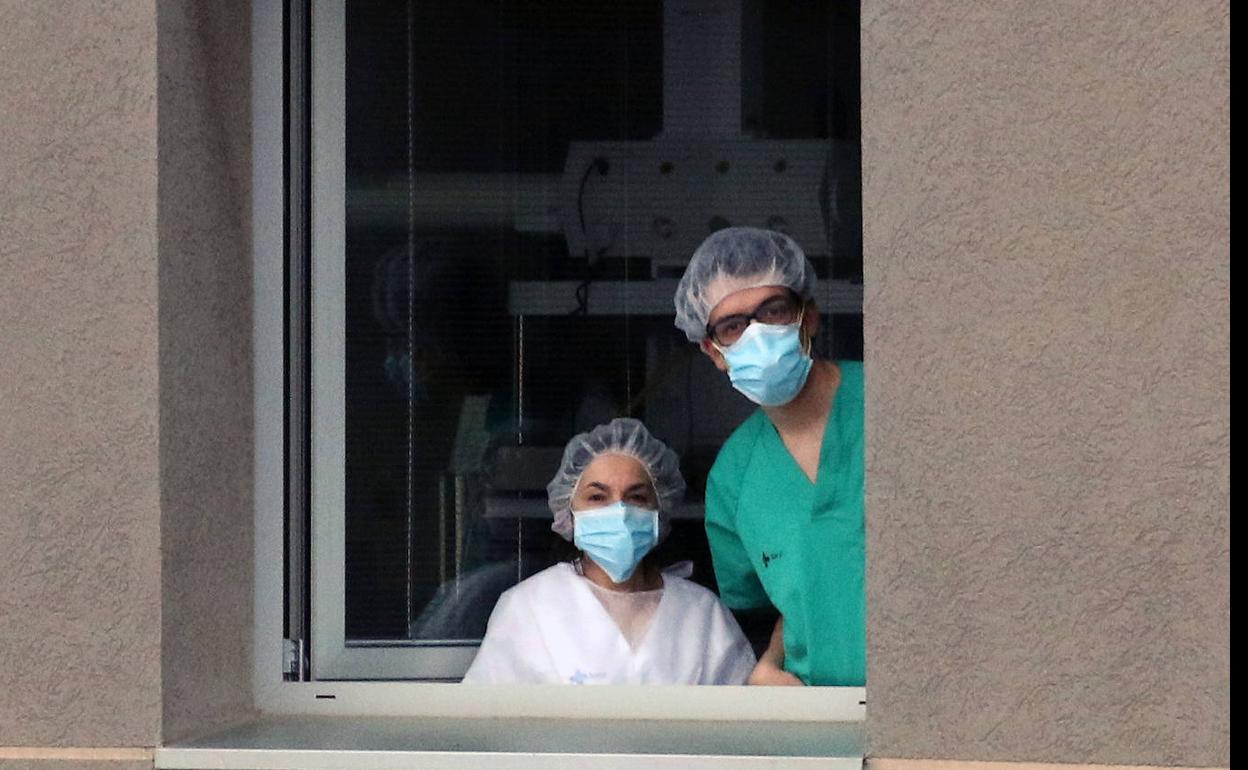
{"type": "Point", "coordinates": [784, 500]}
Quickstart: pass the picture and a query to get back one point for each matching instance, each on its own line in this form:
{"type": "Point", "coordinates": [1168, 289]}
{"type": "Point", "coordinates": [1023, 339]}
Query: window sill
{"type": "Point", "coordinates": [372, 743]}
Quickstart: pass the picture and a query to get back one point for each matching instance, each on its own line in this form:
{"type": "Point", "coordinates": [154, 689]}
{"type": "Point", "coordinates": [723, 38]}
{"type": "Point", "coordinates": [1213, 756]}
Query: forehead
{"type": "Point", "coordinates": [614, 470]}
{"type": "Point", "coordinates": [744, 301]}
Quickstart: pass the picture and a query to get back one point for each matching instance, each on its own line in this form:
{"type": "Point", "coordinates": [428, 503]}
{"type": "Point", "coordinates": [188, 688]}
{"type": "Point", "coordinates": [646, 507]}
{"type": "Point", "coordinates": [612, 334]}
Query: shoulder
{"type": "Point", "coordinates": [702, 609]}
{"type": "Point", "coordinates": [724, 482]}
{"type": "Point", "coordinates": [851, 375]}
{"type": "Point", "coordinates": [736, 451]}
{"type": "Point", "coordinates": [691, 594]}
{"type": "Point", "coordinates": [553, 577]}
{"type": "Point", "coordinates": [555, 574]}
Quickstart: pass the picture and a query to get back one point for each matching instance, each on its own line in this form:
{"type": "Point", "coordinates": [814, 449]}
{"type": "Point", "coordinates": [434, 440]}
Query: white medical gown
{"type": "Point", "coordinates": [551, 628]}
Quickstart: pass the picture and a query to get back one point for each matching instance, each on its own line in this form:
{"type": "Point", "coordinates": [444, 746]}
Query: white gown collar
{"type": "Point", "coordinates": [586, 645]}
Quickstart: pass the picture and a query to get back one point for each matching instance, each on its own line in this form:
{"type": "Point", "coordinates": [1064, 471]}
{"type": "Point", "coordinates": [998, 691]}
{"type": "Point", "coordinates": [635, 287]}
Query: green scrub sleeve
{"type": "Point", "coordinates": [739, 586]}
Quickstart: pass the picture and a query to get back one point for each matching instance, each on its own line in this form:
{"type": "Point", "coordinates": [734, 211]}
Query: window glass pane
{"type": "Point", "coordinates": [523, 183]}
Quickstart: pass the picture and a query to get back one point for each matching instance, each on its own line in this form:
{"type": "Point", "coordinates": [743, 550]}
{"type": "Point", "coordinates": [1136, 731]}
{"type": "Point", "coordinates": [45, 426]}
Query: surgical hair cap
{"type": "Point", "coordinates": [624, 436]}
{"type": "Point", "coordinates": [734, 259]}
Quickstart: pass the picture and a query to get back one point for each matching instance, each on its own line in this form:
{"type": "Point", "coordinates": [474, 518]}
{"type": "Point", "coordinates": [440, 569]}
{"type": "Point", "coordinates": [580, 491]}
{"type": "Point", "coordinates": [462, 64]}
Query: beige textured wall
{"type": "Point", "coordinates": [1047, 320]}
{"type": "Point", "coordinates": [125, 373]}
{"type": "Point", "coordinates": [205, 364]}
{"type": "Point", "coordinates": [79, 476]}
{"type": "Point", "coordinates": [75, 764]}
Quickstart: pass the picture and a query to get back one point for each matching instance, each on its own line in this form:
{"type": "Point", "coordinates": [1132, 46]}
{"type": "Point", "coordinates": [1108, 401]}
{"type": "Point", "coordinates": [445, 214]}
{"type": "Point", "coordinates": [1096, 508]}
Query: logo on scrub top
{"type": "Point", "coordinates": [581, 677]}
{"type": "Point", "coordinates": [768, 558]}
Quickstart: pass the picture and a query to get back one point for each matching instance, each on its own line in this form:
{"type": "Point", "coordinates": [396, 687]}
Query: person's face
{"type": "Point", "coordinates": [747, 302]}
{"type": "Point", "coordinates": [612, 478]}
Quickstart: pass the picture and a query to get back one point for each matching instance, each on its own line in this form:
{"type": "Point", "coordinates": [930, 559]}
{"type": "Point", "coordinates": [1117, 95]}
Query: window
{"type": "Point", "coordinates": [489, 207]}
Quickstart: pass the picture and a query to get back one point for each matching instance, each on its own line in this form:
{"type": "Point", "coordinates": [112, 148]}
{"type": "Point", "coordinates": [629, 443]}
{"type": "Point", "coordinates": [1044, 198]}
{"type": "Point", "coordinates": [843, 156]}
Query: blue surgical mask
{"type": "Point", "coordinates": [616, 537]}
{"type": "Point", "coordinates": [768, 364]}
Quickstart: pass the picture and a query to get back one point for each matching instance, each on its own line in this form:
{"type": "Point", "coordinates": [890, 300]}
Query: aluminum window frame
{"type": "Point", "coordinates": [333, 656]}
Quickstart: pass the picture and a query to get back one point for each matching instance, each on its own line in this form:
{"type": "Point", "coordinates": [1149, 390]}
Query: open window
{"type": "Point", "coordinates": [489, 205]}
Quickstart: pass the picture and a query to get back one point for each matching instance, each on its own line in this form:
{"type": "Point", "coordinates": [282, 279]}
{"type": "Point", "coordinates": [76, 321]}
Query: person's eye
{"type": "Point", "coordinates": [775, 312]}
{"type": "Point", "coordinates": [730, 326]}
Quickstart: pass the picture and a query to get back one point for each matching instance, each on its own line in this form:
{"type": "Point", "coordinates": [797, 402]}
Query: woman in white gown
{"type": "Point", "coordinates": [611, 617]}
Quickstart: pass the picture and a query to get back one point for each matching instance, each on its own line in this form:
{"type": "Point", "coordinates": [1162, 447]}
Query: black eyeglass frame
{"type": "Point", "coordinates": [792, 296]}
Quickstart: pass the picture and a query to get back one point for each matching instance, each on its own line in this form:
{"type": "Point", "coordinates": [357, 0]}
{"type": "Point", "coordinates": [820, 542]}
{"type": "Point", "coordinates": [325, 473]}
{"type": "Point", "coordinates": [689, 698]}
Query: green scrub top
{"type": "Point", "coordinates": [778, 539]}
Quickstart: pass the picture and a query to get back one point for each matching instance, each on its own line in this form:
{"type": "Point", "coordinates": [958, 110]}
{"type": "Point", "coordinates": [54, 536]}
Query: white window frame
{"type": "Point", "coordinates": [406, 698]}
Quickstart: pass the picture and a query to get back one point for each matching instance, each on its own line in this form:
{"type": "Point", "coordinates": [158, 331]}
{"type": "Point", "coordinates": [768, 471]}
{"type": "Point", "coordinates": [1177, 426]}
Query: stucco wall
{"type": "Point", "coordinates": [79, 475]}
{"type": "Point", "coordinates": [1047, 329]}
{"type": "Point", "coordinates": [125, 373]}
{"type": "Point", "coordinates": [75, 764]}
{"type": "Point", "coordinates": [205, 364]}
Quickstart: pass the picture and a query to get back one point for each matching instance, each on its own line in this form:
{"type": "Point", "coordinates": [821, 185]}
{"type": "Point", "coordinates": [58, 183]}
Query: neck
{"type": "Point", "coordinates": [642, 579]}
{"type": "Point", "coordinates": [809, 410]}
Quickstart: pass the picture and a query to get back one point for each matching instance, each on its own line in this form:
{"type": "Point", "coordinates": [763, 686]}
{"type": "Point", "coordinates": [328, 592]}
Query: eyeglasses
{"type": "Point", "coordinates": [777, 311]}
